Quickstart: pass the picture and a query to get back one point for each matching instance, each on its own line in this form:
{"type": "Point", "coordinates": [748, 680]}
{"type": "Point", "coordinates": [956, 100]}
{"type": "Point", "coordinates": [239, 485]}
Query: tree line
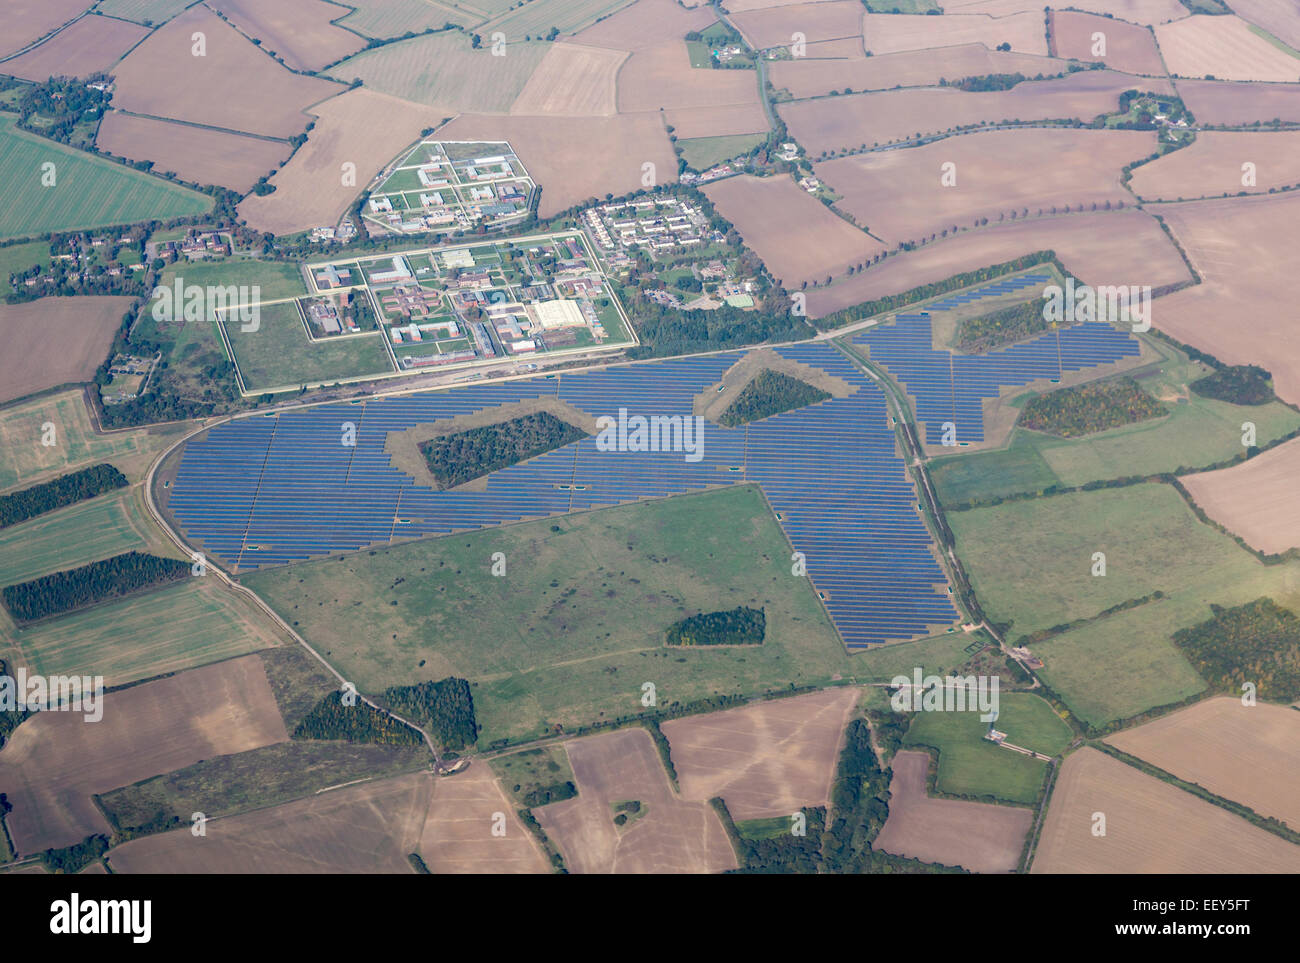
{"type": "Point", "coordinates": [445, 708]}
{"type": "Point", "coordinates": [59, 493]}
{"type": "Point", "coordinates": [90, 584]}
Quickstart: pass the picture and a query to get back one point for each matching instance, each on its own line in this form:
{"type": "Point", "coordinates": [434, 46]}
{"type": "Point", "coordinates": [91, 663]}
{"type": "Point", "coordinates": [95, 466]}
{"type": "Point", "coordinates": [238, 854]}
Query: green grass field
{"type": "Point", "coordinates": [88, 192]}
{"type": "Point", "coordinates": [533, 770]}
{"type": "Point", "coordinates": [701, 153]}
{"type": "Point", "coordinates": [278, 354]}
{"type": "Point", "coordinates": [537, 17]}
{"type": "Point", "coordinates": [392, 18]}
{"type": "Point", "coordinates": [141, 10]}
{"type": "Point", "coordinates": [274, 279]}
{"type": "Point", "coordinates": [21, 257]}
{"type": "Point", "coordinates": [970, 765]}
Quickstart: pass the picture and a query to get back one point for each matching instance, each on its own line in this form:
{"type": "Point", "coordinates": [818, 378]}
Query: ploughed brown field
{"type": "Point", "coordinates": [24, 22]}
{"type": "Point", "coordinates": [298, 31]}
{"type": "Point", "coordinates": [716, 121]}
{"type": "Point", "coordinates": [55, 341]}
{"type": "Point", "coordinates": [765, 759]}
{"type": "Point", "coordinates": [1281, 18]}
{"type": "Point", "coordinates": [1242, 313]}
{"type": "Point", "coordinates": [1211, 166]}
{"type": "Point", "coordinates": [1115, 247]}
{"type": "Point", "coordinates": [662, 77]}
{"type": "Point", "coordinates": [88, 46]}
{"type": "Point", "coordinates": [1128, 47]}
{"type": "Point", "coordinates": [776, 26]}
{"type": "Point", "coordinates": [55, 761]}
{"type": "Point", "coordinates": [457, 835]}
{"type": "Point", "coordinates": [898, 195]}
{"type": "Point", "coordinates": [1135, 11]}
{"type": "Point", "coordinates": [834, 123]}
{"type": "Point", "coordinates": [1255, 499]}
{"type": "Point", "coordinates": [1225, 48]}
{"type": "Point", "coordinates": [646, 23]}
{"type": "Point", "coordinates": [798, 238]}
{"type": "Point", "coordinates": [572, 80]}
{"type": "Point", "coordinates": [194, 154]}
{"type": "Point", "coordinates": [233, 85]}
{"type": "Point", "coordinates": [1151, 827]}
{"type": "Point", "coordinates": [1249, 754]}
{"type": "Point", "coordinates": [1220, 102]}
{"type": "Point", "coordinates": [889, 33]}
{"type": "Point", "coordinates": [669, 836]}
{"type": "Point", "coordinates": [981, 837]}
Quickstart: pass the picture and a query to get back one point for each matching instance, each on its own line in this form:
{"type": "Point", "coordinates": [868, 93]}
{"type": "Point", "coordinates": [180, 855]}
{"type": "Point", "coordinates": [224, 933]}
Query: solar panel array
{"type": "Point", "coordinates": [1007, 286]}
{"type": "Point", "coordinates": [948, 387]}
{"type": "Point", "coordinates": [279, 488]}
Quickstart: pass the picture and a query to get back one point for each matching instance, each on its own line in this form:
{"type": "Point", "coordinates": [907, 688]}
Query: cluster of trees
{"type": "Point", "coordinates": [668, 331]}
{"type": "Point", "coordinates": [362, 722]}
{"type": "Point", "coordinates": [1258, 642]}
{"type": "Point", "coordinates": [555, 792]}
{"type": "Point", "coordinates": [80, 587]}
{"type": "Point", "coordinates": [1001, 327]}
{"type": "Point", "coordinates": [62, 491]}
{"type": "Point", "coordinates": [445, 708]}
{"type": "Point", "coordinates": [75, 858]}
{"type": "Point", "coordinates": [1242, 384]}
{"type": "Point", "coordinates": [9, 721]}
{"type": "Point", "coordinates": [890, 728]}
{"type": "Point", "coordinates": [770, 393]}
{"type": "Point", "coordinates": [739, 626]}
{"type": "Point", "coordinates": [60, 104]}
{"type": "Point", "coordinates": [456, 459]}
{"type": "Point", "coordinates": [1071, 412]}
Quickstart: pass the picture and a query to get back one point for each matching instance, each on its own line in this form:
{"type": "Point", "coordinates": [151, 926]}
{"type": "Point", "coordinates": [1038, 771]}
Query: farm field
{"type": "Point", "coordinates": [1280, 19]}
{"type": "Point", "coordinates": [1238, 245]}
{"type": "Point", "coordinates": [25, 461]}
{"type": "Point", "coordinates": [1212, 166]}
{"type": "Point", "coordinates": [16, 258]}
{"type": "Point", "coordinates": [299, 32]}
{"type": "Point", "coordinates": [1219, 102]}
{"type": "Point", "coordinates": [572, 79]}
{"type": "Point", "coordinates": [368, 828]}
{"type": "Point", "coordinates": [89, 191]}
{"type": "Point", "coordinates": [647, 23]}
{"type": "Point", "coordinates": [798, 239]}
{"type": "Point", "coordinates": [824, 20]}
{"type": "Point", "coordinates": [56, 341]}
{"type": "Point", "coordinates": [767, 759]}
{"type": "Point", "coordinates": [662, 78]}
{"type": "Point", "coordinates": [309, 190]}
{"type": "Point", "coordinates": [457, 831]}
{"type": "Point", "coordinates": [154, 11]}
{"type": "Point", "coordinates": [194, 154]}
{"type": "Point", "coordinates": [1135, 11]}
{"type": "Point", "coordinates": [539, 17]}
{"type": "Point", "coordinates": [888, 33]}
{"type": "Point", "coordinates": [393, 18]}
{"type": "Point", "coordinates": [745, 120]}
{"type": "Point", "coordinates": [278, 354]}
{"type": "Point", "coordinates": [808, 77]}
{"type": "Point", "coordinates": [145, 730]}
{"type": "Point", "coordinates": [702, 153]}
{"type": "Point", "coordinates": [23, 22]}
{"type": "Point", "coordinates": [1223, 746]}
{"type": "Point", "coordinates": [831, 124]}
{"type": "Point", "coordinates": [259, 96]}
{"type": "Point", "coordinates": [1223, 48]}
{"type": "Point", "coordinates": [1151, 827]}
{"type": "Point", "coordinates": [273, 280]}
{"type": "Point", "coordinates": [896, 194]}
{"type": "Point", "coordinates": [1114, 247]}
{"type": "Point", "coordinates": [1129, 48]}
{"type": "Point", "coordinates": [970, 765]}
{"type": "Point", "coordinates": [598, 646]}
{"type": "Point", "coordinates": [164, 631]}
{"type": "Point", "coordinates": [670, 836]}
{"type": "Point", "coordinates": [980, 837]}
{"type": "Point", "coordinates": [1256, 499]}
{"type": "Point", "coordinates": [88, 46]}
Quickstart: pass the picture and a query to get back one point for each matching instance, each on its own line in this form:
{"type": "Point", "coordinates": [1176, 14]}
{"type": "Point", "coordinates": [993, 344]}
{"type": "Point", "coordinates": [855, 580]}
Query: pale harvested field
{"type": "Point", "coordinates": [1117, 247]}
{"type": "Point", "coordinates": [55, 761]}
{"type": "Point", "coordinates": [55, 341]}
{"type": "Point", "coordinates": [236, 86]}
{"type": "Point", "coordinates": [195, 154]}
{"type": "Point", "coordinates": [457, 835]}
{"type": "Point", "coordinates": [1281, 18]}
{"type": "Point", "coordinates": [897, 194]}
{"type": "Point", "coordinates": [1135, 11]}
{"type": "Point", "coordinates": [717, 121]}
{"type": "Point", "coordinates": [663, 77]}
{"type": "Point", "coordinates": [23, 22]}
{"type": "Point", "coordinates": [572, 80]}
{"type": "Point", "coordinates": [832, 123]}
{"type": "Point", "coordinates": [298, 31]}
{"type": "Point", "coordinates": [671, 835]}
{"type": "Point", "coordinates": [1151, 827]}
{"type": "Point", "coordinates": [743, 6]}
{"type": "Point", "coordinates": [367, 828]}
{"type": "Point", "coordinates": [981, 837]}
{"type": "Point", "coordinates": [1225, 48]}
{"type": "Point", "coordinates": [891, 33]}
{"type": "Point", "coordinates": [776, 26]}
{"type": "Point", "coordinates": [90, 45]}
{"type": "Point", "coordinates": [1128, 47]}
{"type": "Point", "coordinates": [646, 23]}
{"type": "Point", "coordinates": [1255, 499]}
{"type": "Point", "coordinates": [575, 158]}
{"type": "Point", "coordinates": [1215, 102]}
{"type": "Point", "coordinates": [766, 759]}
{"type": "Point", "coordinates": [1250, 755]}
{"type": "Point", "coordinates": [1243, 312]}
{"type": "Point", "coordinates": [309, 190]}
{"type": "Point", "coordinates": [840, 49]}
{"type": "Point", "coordinates": [1211, 166]}
{"type": "Point", "coordinates": [812, 78]}
{"type": "Point", "coordinates": [797, 237]}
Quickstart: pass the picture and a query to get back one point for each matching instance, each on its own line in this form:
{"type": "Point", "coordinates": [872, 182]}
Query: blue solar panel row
{"type": "Point", "coordinates": [989, 291]}
{"type": "Point", "coordinates": [272, 489]}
